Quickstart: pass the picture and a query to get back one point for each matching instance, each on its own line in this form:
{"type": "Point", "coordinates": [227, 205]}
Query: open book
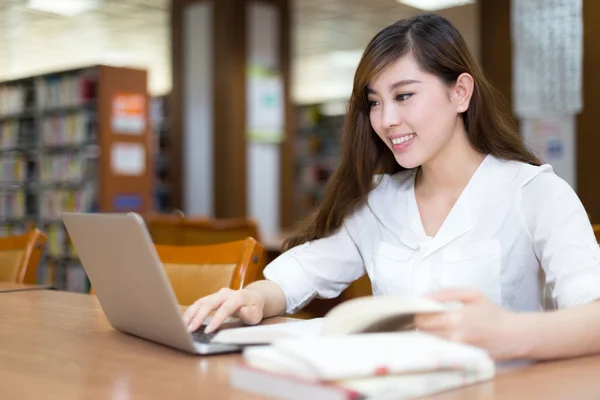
{"type": "Point", "coordinates": [401, 365]}
{"type": "Point", "coordinates": [360, 315]}
{"type": "Point", "coordinates": [365, 348]}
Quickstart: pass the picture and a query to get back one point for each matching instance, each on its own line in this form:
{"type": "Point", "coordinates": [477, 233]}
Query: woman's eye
{"type": "Point", "coordinates": [403, 97]}
{"type": "Point", "coordinates": [373, 103]}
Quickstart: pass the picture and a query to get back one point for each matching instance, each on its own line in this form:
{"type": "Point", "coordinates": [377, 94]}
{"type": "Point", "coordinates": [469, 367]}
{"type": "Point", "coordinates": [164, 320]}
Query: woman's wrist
{"type": "Point", "coordinates": [522, 333]}
{"type": "Point", "coordinates": [269, 296]}
{"type": "Point", "coordinates": [258, 296]}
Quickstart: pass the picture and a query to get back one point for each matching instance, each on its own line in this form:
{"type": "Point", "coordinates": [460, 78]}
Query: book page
{"type": "Point", "coordinates": [353, 356]}
{"type": "Point", "coordinates": [265, 334]}
{"type": "Point", "coordinates": [362, 314]}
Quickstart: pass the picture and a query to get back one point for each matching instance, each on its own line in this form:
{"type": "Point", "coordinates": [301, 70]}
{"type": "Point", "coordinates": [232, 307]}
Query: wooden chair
{"type": "Point", "coordinates": [179, 230]}
{"type": "Point", "coordinates": [20, 256]}
{"type": "Point", "coordinates": [197, 271]}
{"type": "Point", "coordinates": [164, 228]}
{"type": "Point", "coordinates": [202, 231]}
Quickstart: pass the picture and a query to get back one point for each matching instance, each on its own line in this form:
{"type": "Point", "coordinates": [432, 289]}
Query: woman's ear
{"type": "Point", "coordinates": [463, 90]}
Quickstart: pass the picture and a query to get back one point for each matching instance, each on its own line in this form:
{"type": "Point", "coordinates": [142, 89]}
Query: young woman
{"type": "Point", "coordinates": [437, 195]}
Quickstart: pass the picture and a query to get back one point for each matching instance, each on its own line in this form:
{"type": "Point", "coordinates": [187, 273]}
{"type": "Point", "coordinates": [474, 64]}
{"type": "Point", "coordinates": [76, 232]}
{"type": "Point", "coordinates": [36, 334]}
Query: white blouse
{"type": "Point", "coordinates": [511, 219]}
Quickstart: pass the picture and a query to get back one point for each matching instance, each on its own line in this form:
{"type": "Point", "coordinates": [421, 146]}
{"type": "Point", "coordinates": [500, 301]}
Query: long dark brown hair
{"type": "Point", "coordinates": [439, 49]}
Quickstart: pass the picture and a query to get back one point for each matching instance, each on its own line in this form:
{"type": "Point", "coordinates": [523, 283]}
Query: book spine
{"type": "Point", "coordinates": [12, 100]}
{"type": "Point", "coordinates": [68, 167]}
{"type": "Point", "coordinates": [282, 386]}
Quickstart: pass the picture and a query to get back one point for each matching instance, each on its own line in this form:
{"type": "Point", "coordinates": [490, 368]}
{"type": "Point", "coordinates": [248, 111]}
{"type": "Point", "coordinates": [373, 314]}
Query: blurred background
{"type": "Point", "coordinates": [232, 109]}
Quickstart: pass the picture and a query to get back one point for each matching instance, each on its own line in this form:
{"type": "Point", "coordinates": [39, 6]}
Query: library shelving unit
{"type": "Point", "coordinates": [75, 141]}
{"type": "Point", "coordinates": [160, 121]}
{"type": "Point", "coordinates": [317, 153]}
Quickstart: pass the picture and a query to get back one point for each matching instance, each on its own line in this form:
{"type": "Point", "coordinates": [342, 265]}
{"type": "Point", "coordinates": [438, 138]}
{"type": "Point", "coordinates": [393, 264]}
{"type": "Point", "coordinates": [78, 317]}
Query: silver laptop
{"type": "Point", "coordinates": [125, 271]}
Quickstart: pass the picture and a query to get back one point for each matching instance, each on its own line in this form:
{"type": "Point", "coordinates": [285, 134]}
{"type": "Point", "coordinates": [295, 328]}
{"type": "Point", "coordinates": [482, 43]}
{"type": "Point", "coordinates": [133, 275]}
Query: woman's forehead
{"type": "Point", "coordinates": [405, 69]}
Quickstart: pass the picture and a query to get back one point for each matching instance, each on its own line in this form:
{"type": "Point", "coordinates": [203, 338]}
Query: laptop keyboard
{"type": "Point", "coordinates": [200, 336]}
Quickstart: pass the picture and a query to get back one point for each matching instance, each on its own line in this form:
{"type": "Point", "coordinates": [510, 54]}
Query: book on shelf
{"type": "Point", "coordinates": [12, 169]}
{"type": "Point", "coordinates": [56, 201]}
{"type": "Point", "coordinates": [12, 205]}
{"type": "Point", "coordinates": [317, 146]}
{"type": "Point", "coordinates": [56, 240]}
{"type": "Point", "coordinates": [9, 130]}
{"type": "Point", "coordinates": [49, 273]}
{"type": "Point", "coordinates": [56, 137]}
{"type": "Point", "coordinates": [66, 168]}
{"type": "Point", "coordinates": [159, 117]}
{"type": "Point", "coordinates": [15, 99]}
{"type": "Point", "coordinates": [12, 229]}
{"type": "Point", "coordinates": [73, 129]}
{"type": "Point", "coordinates": [66, 90]}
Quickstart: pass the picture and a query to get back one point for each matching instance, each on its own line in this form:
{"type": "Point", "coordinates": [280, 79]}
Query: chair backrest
{"type": "Point", "coordinates": [202, 231]}
{"type": "Point", "coordinates": [197, 271]}
{"type": "Point", "coordinates": [178, 230]}
{"type": "Point", "coordinates": [20, 256]}
{"type": "Point", "coordinates": [164, 228]}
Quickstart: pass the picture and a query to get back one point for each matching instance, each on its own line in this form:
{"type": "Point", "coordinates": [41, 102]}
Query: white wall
{"type": "Point", "coordinates": [197, 134]}
{"type": "Point", "coordinates": [263, 160]}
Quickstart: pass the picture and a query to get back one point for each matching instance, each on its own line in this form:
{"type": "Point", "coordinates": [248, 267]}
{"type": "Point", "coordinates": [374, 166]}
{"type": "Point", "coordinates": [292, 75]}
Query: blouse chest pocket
{"type": "Point", "coordinates": [475, 265]}
{"type": "Point", "coordinates": [393, 269]}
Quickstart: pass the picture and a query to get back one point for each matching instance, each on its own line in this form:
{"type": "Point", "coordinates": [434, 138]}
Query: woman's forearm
{"type": "Point", "coordinates": [270, 293]}
{"type": "Point", "coordinates": [559, 334]}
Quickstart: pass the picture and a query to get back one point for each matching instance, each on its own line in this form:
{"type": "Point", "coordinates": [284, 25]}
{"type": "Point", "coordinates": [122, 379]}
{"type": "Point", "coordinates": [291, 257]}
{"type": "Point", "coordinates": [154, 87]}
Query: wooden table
{"type": "Point", "coordinates": [58, 345]}
{"type": "Point", "coordinates": [17, 287]}
{"type": "Point", "coordinates": [564, 380]}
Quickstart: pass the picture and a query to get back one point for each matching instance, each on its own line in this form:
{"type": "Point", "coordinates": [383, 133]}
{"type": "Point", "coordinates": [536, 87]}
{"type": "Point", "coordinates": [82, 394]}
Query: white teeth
{"type": "Point", "coordinates": [403, 139]}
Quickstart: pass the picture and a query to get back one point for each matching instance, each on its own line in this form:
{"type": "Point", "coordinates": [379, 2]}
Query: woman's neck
{"type": "Point", "coordinates": [450, 170]}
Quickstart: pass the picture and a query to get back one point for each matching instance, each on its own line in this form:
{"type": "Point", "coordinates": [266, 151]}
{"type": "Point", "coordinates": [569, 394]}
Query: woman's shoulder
{"type": "Point", "coordinates": [538, 177]}
{"type": "Point", "coordinates": [539, 184]}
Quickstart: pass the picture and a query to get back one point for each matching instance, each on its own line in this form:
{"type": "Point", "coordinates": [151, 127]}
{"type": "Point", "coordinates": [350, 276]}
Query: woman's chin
{"type": "Point", "coordinates": [406, 161]}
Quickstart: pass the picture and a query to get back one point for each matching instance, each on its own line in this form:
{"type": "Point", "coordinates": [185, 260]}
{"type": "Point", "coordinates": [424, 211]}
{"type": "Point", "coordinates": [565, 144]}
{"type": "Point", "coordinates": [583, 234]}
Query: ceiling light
{"type": "Point", "coordinates": [434, 5]}
{"type": "Point", "coordinates": [68, 8]}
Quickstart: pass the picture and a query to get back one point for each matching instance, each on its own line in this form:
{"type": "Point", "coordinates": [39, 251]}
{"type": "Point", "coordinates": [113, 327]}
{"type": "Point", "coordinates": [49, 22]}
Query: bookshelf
{"type": "Point", "coordinates": [76, 140]}
{"type": "Point", "coordinates": [317, 152]}
{"type": "Point", "coordinates": [159, 112]}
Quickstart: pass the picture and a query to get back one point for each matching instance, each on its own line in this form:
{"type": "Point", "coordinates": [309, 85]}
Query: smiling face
{"type": "Point", "coordinates": [415, 113]}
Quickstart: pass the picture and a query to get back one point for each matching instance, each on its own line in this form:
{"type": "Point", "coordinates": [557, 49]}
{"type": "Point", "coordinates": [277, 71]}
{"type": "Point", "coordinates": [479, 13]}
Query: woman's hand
{"type": "Point", "coordinates": [480, 323]}
{"type": "Point", "coordinates": [246, 304]}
